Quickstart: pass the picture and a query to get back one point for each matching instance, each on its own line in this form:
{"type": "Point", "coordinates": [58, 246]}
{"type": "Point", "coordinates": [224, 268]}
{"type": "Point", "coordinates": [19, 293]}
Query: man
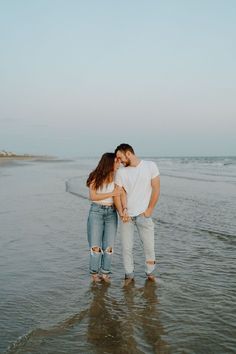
{"type": "Point", "coordinates": [140, 183]}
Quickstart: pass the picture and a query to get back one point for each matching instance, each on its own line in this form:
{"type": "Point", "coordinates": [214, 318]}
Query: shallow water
{"type": "Point", "coordinates": [47, 303]}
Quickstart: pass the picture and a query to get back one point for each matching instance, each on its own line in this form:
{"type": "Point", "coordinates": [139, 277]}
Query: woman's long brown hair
{"type": "Point", "coordinates": [103, 171]}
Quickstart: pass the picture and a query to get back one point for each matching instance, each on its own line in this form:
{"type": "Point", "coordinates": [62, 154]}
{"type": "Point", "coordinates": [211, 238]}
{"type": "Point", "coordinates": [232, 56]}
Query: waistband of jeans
{"type": "Point", "coordinates": [102, 206]}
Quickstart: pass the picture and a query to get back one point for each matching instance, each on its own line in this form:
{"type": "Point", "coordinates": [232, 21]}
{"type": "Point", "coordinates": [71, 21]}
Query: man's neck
{"type": "Point", "coordinates": [135, 161]}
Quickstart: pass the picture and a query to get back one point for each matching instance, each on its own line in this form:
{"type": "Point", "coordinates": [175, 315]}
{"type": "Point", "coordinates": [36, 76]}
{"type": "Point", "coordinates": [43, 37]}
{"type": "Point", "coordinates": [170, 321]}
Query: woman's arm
{"type": "Point", "coordinates": [94, 196]}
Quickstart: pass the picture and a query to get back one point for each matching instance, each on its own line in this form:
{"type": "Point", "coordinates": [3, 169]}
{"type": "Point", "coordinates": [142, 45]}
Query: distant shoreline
{"type": "Point", "coordinates": [5, 159]}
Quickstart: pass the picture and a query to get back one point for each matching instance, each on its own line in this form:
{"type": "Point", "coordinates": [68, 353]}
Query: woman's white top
{"type": "Point", "coordinates": [106, 188]}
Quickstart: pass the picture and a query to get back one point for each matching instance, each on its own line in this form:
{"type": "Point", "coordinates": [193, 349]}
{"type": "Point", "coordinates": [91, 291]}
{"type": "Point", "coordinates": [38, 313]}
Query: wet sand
{"type": "Point", "coordinates": [48, 304]}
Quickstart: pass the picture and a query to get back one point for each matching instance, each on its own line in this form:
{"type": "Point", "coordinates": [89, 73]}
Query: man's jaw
{"type": "Point", "coordinates": [126, 164]}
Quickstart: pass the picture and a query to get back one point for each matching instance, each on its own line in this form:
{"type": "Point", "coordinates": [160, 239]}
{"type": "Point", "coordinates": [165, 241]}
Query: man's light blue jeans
{"type": "Point", "coordinates": [145, 227]}
{"type": "Point", "coordinates": [101, 228]}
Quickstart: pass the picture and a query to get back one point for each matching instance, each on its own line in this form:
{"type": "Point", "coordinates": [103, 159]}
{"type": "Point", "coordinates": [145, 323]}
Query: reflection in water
{"type": "Point", "coordinates": [104, 328]}
{"type": "Point", "coordinates": [144, 319]}
{"type": "Point", "coordinates": [151, 325]}
{"type": "Point", "coordinates": [126, 323]}
{"type": "Point", "coordinates": [131, 325]}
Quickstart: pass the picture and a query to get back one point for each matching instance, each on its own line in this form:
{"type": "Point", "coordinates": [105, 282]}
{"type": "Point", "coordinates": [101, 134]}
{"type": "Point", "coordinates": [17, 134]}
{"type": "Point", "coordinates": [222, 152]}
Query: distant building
{"type": "Point", "coordinates": [4, 153]}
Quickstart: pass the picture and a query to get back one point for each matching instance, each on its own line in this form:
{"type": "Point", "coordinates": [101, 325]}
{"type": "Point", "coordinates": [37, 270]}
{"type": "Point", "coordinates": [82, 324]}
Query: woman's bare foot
{"type": "Point", "coordinates": [96, 278]}
{"type": "Point", "coordinates": [106, 278]}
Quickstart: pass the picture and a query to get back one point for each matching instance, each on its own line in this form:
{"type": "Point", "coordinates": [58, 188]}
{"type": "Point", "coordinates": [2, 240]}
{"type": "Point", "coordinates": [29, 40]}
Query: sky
{"type": "Point", "coordinates": [77, 78]}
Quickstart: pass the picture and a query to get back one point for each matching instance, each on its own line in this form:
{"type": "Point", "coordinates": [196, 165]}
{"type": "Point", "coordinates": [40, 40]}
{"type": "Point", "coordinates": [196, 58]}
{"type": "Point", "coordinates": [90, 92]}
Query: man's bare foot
{"type": "Point", "coordinates": [128, 281]}
{"type": "Point", "coordinates": [106, 278]}
{"type": "Point", "coordinates": [152, 278]}
{"type": "Point", "coordinates": [96, 278]}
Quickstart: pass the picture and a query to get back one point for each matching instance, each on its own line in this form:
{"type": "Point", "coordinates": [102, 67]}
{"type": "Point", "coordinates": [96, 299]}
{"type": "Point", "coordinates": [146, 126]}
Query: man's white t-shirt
{"type": "Point", "coordinates": [137, 183]}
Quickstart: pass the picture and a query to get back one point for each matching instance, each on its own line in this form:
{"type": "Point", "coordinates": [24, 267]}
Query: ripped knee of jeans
{"type": "Point", "coordinates": [96, 250]}
{"type": "Point", "coordinates": [149, 262]}
{"type": "Point", "coordinates": [109, 250]}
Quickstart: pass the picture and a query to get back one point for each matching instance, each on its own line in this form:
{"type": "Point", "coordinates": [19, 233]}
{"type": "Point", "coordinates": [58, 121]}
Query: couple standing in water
{"type": "Point", "coordinates": [132, 192]}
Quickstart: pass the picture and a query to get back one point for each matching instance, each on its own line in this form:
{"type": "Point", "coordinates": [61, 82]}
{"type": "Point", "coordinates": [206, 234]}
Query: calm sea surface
{"type": "Point", "coordinates": [47, 302]}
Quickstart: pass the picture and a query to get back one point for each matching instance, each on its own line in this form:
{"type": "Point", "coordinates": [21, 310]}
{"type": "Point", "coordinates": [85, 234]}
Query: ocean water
{"type": "Point", "coordinates": [47, 302]}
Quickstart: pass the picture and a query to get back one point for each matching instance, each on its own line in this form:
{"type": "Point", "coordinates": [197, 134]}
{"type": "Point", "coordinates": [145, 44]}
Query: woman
{"type": "Point", "coordinates": [102, 219]}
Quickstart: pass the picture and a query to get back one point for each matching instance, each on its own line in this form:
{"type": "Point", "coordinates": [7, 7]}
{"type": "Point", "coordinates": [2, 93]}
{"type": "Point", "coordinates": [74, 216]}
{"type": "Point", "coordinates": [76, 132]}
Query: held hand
{"type": "Point", "coordinates": [147, 213]}
{"type": "Point", "coordinates": [126, 217]}
{"type": "Point", "coordinates": [123, 217]}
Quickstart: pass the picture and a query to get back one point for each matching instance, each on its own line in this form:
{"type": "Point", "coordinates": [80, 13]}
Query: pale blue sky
{"type": "Point", "coordinates": [79, 77]}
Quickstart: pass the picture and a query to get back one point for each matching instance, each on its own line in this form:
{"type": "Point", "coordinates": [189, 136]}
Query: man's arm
{"type": "Point", "coordinates": [123, 196]}
{"type": "Point", "coordinates": [121, 205]}
{"type": "Point", "coordinates": [118, 202]}
{"type": "Point", "coordinates": [155, 183]}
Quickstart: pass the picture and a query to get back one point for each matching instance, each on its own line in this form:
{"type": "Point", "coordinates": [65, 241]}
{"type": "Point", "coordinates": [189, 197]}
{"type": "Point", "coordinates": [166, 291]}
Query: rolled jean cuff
{"type": "Point", "coordinates": [103, 271]}
{"type": "Point", "coordinates": [129, 276]}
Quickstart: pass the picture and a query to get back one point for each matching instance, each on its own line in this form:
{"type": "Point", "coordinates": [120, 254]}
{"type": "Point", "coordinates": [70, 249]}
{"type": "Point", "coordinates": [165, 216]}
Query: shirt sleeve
{"type": "Point", "coordinates": [118, 179]}
{"type": "Point", "coordinates": [154, 170]}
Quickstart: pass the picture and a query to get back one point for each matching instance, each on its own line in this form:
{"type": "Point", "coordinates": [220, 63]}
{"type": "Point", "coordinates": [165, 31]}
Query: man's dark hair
{"type": "Point", "coordinates": [124, 148]}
